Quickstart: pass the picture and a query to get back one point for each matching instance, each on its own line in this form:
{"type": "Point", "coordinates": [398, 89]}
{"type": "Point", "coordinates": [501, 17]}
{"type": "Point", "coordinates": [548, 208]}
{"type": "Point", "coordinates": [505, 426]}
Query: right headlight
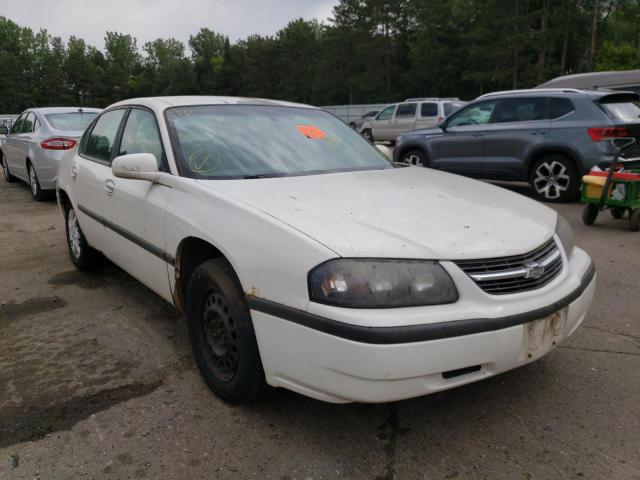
{"type": "Point", "coordinates": [381, 283]}
{"type": "Point", "coordinates": [565, 234]}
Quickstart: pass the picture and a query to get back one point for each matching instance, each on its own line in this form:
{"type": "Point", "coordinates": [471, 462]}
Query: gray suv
{"type": "Point", "coordinates": [547, 137]}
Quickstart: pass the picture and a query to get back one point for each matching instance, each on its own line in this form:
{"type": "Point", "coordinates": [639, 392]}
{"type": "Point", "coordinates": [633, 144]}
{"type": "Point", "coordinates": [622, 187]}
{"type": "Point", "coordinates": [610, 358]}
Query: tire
{"type": "Point", "coordinates": [368, 135]}
{"type": "Point", "coordinates": [221, 332]}
{"type": "Point", "coordinates": [34, 184]}
{"type": "Point", "coordinates": [82, 255]}
{"type": "Point", "coordinates": [590, 213]}
{"type": "Point", "coordinates": [414, 157]}
{"type": "Point", "coordinates": [5, 170]}
{"type": "Point", "coordinates": [618, 212]}
{"type": "Point", "coordinates": [634, 220]}
{"type": "Point", "coordinates": [555, 179]}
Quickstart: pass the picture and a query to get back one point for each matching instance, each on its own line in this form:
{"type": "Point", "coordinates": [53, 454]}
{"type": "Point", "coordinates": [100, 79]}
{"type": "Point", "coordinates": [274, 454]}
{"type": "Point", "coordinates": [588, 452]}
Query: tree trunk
{"type": "Point", "coordinates": [594, 34]}
{"type": "Point", "coordinates": [565, 38]}
{"type": "Point", "coordinates": [542, 56]}
{"type": "Point", "coordinates": [516, 46]}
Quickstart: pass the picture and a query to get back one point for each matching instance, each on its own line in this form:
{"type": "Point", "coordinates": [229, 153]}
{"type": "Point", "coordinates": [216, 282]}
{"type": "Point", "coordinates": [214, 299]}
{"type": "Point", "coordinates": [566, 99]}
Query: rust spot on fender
{"type": "Point", "coordinates": [254, 292]}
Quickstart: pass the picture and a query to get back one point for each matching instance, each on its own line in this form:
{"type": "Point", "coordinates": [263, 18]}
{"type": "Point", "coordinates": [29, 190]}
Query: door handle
{"type": "Point", "coordinates": [540, 132]}
{"type": "Point", "coordinates": [74, 171]}
{"type": "Point", "coordinates": [478, 135]}
{"type": "Point", "coordinates": [109, 186]}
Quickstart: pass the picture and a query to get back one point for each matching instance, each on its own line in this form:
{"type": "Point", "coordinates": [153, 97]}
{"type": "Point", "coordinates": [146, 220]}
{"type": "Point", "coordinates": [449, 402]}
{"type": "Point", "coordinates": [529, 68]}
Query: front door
{"type": "Point", "coordinates": [460, 148]}
{"type": "Point", "coordinates": [15, 147]}
{"type": "Point", "coordinates": [381, 127]}
{"type": "Point", "coordinates": [135, 211]}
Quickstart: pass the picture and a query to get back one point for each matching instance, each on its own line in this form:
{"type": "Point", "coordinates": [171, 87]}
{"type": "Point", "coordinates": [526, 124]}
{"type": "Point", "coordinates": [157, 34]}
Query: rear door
{"type": "Point", "coordinates": [404, 120]}
{"type": "Point", "coordinates": [91, 175]}
{"type": "Point", "coordinates": [460, 148]}
{"type": "Point", "coordinates": [135, 209]}
{"type": "Point", "coordinates": [428, 115]}
{"type": "Point", "coordinates": [381, 125]}
{"type": "Point", "coordinates": [519, 126]}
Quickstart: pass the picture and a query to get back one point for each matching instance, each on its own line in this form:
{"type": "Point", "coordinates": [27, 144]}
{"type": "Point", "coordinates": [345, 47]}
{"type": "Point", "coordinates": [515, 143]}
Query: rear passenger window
{"type": "Point", "coordinates": [140, 135]}
{"type": "Point", "coordinates": [429, 110]}
{"type": "Point", "coordinates": [99, 144]}
{"type": "Point", "coordinates": [559, 107]}
{"type": "Point", "coordinates": [521, 110]}
{"type": "Point", "coordinates": [406, 110]}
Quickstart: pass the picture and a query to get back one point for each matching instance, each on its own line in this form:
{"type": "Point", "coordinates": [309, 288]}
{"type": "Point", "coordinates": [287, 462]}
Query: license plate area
{"type": "Point", "coordinates": [540, 336]}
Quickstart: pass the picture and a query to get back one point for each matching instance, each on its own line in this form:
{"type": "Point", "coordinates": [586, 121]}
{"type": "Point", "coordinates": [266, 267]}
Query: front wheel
{"type": "Point", "coordinates": [618, 212]}
{"type": "Point", "coordinates": [415, 157]}
{"type": "Point", "coordinates": [82, 255]}
{"type": "Point", "coordinates": [555, 179]}
{"type": "Point", "coordinates": [634, 220]}
{"type": "Point", "coordinates": [368, 135]}
{"type": "Point", "coordinates": [590, 213]}
{"type": "Point", "coordinates": [221, 332]}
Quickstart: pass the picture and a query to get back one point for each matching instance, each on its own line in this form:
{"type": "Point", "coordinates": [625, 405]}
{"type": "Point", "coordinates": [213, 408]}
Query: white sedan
{"type": "Point", "coordinates": [304, 259]}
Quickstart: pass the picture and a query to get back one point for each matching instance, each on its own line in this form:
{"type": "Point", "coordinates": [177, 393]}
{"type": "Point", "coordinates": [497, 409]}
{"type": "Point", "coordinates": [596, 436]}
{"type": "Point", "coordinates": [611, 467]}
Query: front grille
{"type": "Point", "coordinates": [519, 273]}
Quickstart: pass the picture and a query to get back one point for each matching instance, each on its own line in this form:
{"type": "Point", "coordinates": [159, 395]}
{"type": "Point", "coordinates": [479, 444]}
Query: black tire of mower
{"type": "Point", "coordinates": [574, 179]}
{"type": "Point", "coordinates": [5, 169]}
{"type": "Point", "coordinates": [89, 257]}
{"type": "Point", "coordinates": [248, 382]}
{"type": "Point", "coordinates": [618, 212]}
{"type": "Point", "coordinates": [634, 220]}
{"type": "Point", "coordinates": [590, 213]}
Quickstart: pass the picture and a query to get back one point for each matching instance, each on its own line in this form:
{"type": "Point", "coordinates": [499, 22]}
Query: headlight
{"type": "Point", "coordinates": [565, 234]}
{"type": "Point", "coordinates": [367, 283]}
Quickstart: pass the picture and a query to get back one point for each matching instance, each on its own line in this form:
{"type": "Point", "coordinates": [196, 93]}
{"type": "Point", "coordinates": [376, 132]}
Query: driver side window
{"type": "Point", "coordinates": [387, 113]}
{"type": "Point", "coordinates": [17, 125]}
{"type": "Point", "coordinates": [140, 135]}
{"type": "Point", "coordinates": [476, 114]}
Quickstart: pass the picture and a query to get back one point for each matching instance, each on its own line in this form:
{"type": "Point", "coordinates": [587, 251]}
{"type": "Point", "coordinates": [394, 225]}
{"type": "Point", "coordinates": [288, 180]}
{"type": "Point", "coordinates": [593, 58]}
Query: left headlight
{"type": "Point", "coordinates": [381, 283]}
{"type": "Point", "coordinates": [565, 234]}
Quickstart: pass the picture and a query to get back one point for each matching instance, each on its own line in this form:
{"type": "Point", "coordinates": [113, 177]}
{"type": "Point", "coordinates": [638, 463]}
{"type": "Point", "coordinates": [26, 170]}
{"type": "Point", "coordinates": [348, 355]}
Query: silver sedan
{"type": "Point", "coordinates": [32, 149]}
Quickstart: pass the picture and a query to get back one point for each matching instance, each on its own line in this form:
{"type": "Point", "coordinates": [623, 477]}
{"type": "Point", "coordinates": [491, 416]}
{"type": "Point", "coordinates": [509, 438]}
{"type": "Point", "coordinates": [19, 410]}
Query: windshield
{"type": "Point", "coordinates": [256, 141]}
{"type": "Point", "coordinates": [70, 122]}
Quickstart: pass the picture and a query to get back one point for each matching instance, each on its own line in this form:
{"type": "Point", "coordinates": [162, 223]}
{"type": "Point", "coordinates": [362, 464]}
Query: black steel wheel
{"type": "Point", "coordinates": [221, 332]}
{"type": "Point", "coordinates": [634, 220]}
{"type": "Point", "coordinates": [618, 212]}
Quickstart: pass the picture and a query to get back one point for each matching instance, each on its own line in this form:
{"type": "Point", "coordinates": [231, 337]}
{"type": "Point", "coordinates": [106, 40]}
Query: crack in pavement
{"type": "Point", "coordinates": [625, 336]}
{"type": "Point", "coordinates": [391, 436]}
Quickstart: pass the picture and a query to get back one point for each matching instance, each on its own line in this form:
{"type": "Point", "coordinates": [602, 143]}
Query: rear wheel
{"type": "Point", "coordinates": [555, 179]}
{"type": "Point", "coordinates": [5, 170]}
{"type": "Point", "coordinates": [82, 255]}
{"type": "Point", "coordinates": [221, 332]}
{"type": "Point", "coordinates": [36, 192]}
{"type": "Point", "coordinates": [415, 157]}
{"type": "Point", "coordinates": [590, 213]}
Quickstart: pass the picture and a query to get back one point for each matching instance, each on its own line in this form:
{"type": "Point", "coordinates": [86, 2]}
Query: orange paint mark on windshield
{"type": "Point", "coordinates": [310, 131]}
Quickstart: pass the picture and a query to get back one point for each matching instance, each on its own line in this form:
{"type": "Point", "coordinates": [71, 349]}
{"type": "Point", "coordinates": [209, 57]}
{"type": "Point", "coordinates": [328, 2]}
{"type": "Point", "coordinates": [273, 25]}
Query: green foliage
{"type": "Point", "coordinates": [370, 51]}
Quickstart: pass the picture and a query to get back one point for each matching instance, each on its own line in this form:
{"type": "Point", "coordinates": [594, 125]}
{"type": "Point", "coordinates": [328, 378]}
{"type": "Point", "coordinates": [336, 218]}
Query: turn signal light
{"type": "Point", "coordinates": [58, 143]}
{"type": "Point", "coordinates": [608, 133]}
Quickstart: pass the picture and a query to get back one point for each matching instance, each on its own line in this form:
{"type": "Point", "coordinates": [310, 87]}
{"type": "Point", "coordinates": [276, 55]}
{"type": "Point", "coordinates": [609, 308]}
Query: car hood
{"type": "Point", "coordinates": [408, 212]}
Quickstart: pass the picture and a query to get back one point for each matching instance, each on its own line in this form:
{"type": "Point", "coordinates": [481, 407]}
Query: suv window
{"type": "Point", "coordinates": [475, 114]}
{"type": "Point", "coordinates": [429, 109]}
{"type": "Point", "coordinates": [622, 110]}
{"type": "Point", "coordinates": [140, 135]}
{"type": "Point", "coordinates": [521, 110]}
{"type": "Point", "coordinates": [387, 113]}
{"type": "Point", "coordinates": [559, 107]}
{"type": "Point", "coordinates": [406, 110]}
{"type": "Point", "coordinates": [99, 144]}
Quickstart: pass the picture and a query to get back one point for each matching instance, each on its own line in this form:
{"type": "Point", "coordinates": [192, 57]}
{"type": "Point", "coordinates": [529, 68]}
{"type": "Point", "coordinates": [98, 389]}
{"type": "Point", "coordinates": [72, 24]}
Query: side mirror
{"type": "Point", "coordinates": [386, 151]}
{"type": "Point", "coordinates": [442, 126]}
{"type": "Point", "coordinates": [3, 130]}
{"type": "Point", "coordinates": [136, 166]}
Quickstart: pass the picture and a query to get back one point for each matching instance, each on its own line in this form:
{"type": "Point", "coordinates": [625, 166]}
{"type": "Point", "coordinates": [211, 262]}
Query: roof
{"type": "Point", "coordinates": [551, 91]}
{"type": "Point", "coordinates": [595, 80]}
{"type": "Point", "coordinates": [161, 103]}
{"type": "Point", "coordinates": [46, 110]}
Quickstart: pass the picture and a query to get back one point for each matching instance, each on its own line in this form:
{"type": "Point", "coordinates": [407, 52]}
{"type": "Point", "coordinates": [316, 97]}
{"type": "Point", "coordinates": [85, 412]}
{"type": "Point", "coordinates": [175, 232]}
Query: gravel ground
{"type": "Point", "coordinates": [97, 381]}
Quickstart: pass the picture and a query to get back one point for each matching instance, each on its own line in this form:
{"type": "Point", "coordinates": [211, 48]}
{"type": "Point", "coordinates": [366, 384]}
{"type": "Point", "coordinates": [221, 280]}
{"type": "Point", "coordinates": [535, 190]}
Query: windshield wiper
{"type": "Point", "coordinates": [263, 175]}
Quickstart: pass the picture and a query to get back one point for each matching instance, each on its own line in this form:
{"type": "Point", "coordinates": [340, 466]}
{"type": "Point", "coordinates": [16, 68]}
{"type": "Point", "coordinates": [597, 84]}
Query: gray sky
{"type": "Point", "coordinates": [151, 19]}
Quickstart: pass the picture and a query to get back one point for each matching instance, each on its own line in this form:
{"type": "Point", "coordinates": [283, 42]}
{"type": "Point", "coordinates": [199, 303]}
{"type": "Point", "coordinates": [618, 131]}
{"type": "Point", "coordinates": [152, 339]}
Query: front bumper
{"type": "Point", "coordinates": [344, 362]}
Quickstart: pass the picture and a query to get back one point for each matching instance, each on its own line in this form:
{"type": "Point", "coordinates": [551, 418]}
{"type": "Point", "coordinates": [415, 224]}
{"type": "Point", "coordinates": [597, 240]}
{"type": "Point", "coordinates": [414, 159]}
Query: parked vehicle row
{"type": "Point", "coordinates": [32, 149]}
{"type": "Point", "coordinates": [413, 113]}
{"type": "Point", "coordinates": [276, 229]}
{"type": "Point", "coordinates": [546, 137]}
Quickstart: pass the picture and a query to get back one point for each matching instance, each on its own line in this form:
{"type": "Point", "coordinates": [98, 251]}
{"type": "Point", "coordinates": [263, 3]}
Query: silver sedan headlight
{"type": "Point", "coordinates": [565, 234]}
{"type": "Point", "coordinates": [381, 283]}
